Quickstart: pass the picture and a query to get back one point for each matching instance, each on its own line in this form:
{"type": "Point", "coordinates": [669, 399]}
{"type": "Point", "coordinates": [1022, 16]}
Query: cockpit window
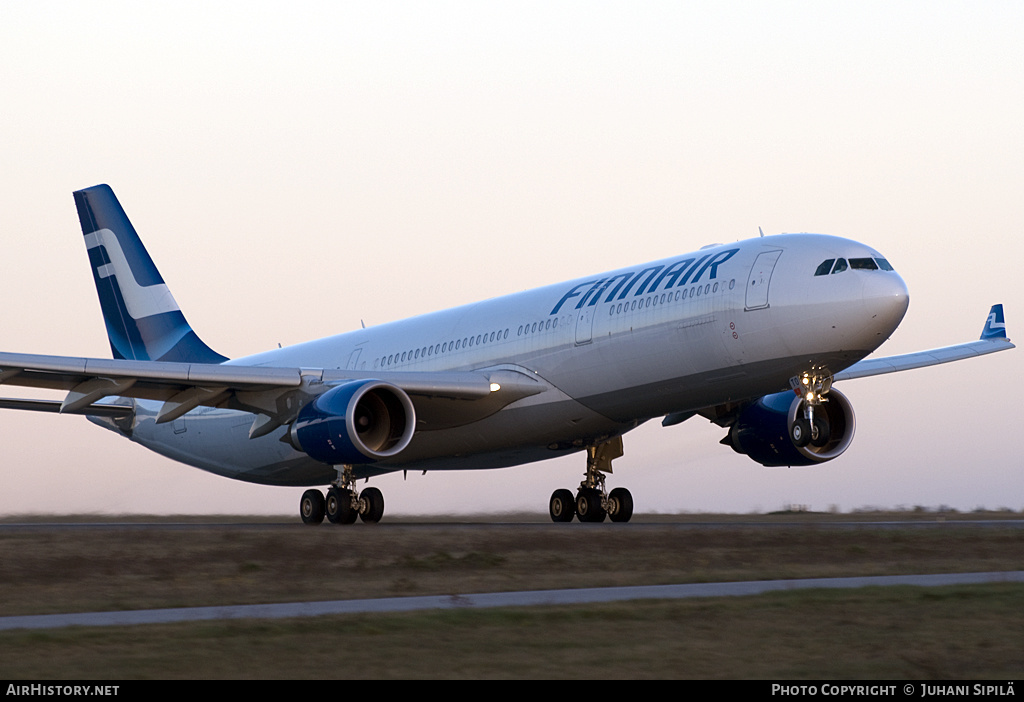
{"type": "Point", "coordinates": [825, 267]}
{"type": "Point", "coordinates": [838, 265]}
{"type": "Point", "coordinates": [863, 264]}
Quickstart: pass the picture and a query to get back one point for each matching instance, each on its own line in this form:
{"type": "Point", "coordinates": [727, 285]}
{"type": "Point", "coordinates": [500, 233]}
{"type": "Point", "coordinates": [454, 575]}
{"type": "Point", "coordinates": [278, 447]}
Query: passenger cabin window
{"type": "Point", "coordinates": [863, 264]}
{"type": "Point", "coordinates": [840, 266]}
{"type": "Point", "coordinates": [826, 267]}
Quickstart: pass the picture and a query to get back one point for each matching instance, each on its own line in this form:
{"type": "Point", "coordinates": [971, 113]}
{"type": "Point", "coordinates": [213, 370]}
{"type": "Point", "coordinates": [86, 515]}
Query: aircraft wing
{"type": "Point", "coordinates": [993, 338]}
{"type": "Point", "coordinates": [275, 394]}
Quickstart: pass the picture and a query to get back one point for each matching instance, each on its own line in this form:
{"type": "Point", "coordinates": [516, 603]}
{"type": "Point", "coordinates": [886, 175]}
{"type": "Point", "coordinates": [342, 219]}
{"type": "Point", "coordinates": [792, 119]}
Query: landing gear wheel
{"type": "Point", "coordinates": [588, 505]}
{"type": "Point", "coordinates": [371, 505]}
{"type": "Point", "coordinates": [820, 432]}
{"type": "Point", "coordinates": [311, 507]}
{"type": "Point", "coordinates": [800, 432]}
{"type": "Point", "coordinates": [621, 505]}
{"type": "Point", "coordinates": [339, 506]}
{"type": "Point", "coordinates": [562, 506]}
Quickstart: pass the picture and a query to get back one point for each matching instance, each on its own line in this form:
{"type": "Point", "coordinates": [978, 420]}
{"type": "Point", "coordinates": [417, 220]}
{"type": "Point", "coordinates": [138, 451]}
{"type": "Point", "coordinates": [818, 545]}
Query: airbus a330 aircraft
{"type": "Point", "coordinates": [749, 335]}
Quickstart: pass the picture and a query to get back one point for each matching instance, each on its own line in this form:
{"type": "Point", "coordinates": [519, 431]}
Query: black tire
{"type": "Point", "coordinates": [332, 505]}
{"type": "Point", "coordinates": [374, 505]}
{"type": "Point", "coordinates": [622, 505]}
{"type": "Point", "coordinates": [562, 506]}
{"type": "Point", "coordinates": [588, 506]}
{"type": "Point", "coordinates": [800, 432]}
{"type": "Point", "coordinates": [311, 507]}
{"type": "Point", "coordinates": [821, 432]}
{"type": "Point", "coordinates": [351, 514]}
{"type": "Point", "coordinates": [339, 506]}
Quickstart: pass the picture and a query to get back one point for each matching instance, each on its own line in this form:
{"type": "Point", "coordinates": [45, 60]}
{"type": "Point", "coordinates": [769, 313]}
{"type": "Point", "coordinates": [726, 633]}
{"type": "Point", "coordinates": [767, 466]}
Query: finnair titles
{"type": "Point", "coordinates": [677, 273]}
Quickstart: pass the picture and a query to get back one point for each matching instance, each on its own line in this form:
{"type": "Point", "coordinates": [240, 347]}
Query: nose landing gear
{"type": "Point", "coordinates": [811, 426]}
{"type": "Point", "coordinates": [593, 502]}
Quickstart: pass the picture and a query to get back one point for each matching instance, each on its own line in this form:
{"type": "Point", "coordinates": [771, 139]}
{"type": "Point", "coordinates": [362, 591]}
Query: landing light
{"type": "Point", "coordinates": [495, 387]}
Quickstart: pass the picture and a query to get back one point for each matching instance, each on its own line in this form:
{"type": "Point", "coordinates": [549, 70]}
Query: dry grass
{"type": "Point", "coordinates": [874, 633]}
{"type": "Point", "coordinates": [94, 569]}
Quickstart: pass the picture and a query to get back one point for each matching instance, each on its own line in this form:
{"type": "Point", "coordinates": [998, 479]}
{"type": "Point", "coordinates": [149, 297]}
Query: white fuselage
{"type": "Point", "coordinates": [724, 324]}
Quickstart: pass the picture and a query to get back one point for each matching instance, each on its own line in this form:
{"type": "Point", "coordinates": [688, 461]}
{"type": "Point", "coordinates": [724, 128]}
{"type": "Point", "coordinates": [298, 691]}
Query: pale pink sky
{"type": "Point", "coordinates": [294, 171]}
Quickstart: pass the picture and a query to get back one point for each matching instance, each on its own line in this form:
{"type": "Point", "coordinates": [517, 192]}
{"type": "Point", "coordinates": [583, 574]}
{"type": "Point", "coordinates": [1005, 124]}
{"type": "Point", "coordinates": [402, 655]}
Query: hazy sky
{"type": "Point", "coordinates": [294, 170]}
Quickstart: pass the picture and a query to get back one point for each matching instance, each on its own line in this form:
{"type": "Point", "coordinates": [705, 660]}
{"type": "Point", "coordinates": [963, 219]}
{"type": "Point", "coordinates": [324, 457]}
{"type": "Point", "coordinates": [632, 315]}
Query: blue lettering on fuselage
{"type": "Point", "coordinates": [650, 272]}
{"type": "Point", "coordinates": [622, 278]}
{"type": "Point", "coordinates": [716, 260]}
{"type": "Point", "coordinates": [674, 275]}
{"type": "Point", "coordinates": [574, 292]}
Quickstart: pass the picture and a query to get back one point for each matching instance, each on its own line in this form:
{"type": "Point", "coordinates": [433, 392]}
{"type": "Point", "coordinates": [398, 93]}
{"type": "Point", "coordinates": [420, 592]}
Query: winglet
{"type": "Point", "coordinates": [995, 327]}
{"type": "Point", "coordinates": [143, 320]}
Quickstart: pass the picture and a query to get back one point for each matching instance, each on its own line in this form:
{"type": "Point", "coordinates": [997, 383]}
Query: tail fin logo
{"type": "Point", "coordinates": [141, 301]}
{"type": "Point", "coordinates": [143, 320]}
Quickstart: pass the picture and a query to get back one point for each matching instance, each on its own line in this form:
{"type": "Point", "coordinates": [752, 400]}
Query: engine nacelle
{"type": "Point", "coordinates": [362, 421]}
{"type": "Point", "coordinates": [763, 430]}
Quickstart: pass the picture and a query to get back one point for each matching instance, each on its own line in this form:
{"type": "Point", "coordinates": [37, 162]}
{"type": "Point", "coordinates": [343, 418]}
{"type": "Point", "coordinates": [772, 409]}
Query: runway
{"type": "Point", "coordinates": [533, 598]}
{"type": "Point", "coordinates": [530, 522]}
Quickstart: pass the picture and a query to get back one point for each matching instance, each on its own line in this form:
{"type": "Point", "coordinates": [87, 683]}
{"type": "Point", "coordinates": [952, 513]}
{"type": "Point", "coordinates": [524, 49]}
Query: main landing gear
{"type": "Point", "coordinates": [341, 505]}
{"type": "Point", "coordinates": [592, 502]}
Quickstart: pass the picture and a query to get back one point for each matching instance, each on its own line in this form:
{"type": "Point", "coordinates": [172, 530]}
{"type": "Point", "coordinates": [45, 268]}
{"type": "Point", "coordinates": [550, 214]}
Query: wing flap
{"type": "Point", "coordinates": [17, 369]}
{"type": "Point", "coordinates": [114, 411]}
{"type": "Point", "coordinates": [275, 394]}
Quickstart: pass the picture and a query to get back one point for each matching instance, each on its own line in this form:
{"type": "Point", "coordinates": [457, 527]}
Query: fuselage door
{"type": "Point", "coordinates": [585, 325]}
{"type": "Point", "coordinates": [353, 359]}
{"type": "Point", "coordinates": [760, 279]}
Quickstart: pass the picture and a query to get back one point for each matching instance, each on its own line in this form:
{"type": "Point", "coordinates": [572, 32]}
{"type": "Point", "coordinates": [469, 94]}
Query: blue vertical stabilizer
{"type": "Point", "coordinates": [143, 321]}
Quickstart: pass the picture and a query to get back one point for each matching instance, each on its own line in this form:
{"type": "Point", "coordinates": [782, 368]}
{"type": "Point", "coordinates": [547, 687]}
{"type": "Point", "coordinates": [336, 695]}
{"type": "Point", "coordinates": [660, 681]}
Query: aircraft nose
{"type": "Point", "coordinates": [886, 298]}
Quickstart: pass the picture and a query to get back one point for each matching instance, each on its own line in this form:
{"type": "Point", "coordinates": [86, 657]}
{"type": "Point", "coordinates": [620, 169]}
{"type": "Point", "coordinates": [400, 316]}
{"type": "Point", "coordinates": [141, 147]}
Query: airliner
{"type": "Point", "coordinates": [750, 335]}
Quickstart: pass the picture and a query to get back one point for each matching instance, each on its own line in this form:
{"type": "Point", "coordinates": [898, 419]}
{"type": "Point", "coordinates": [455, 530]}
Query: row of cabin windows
{"type": "Point", "coordinates": [442, 348]}
{"type": "Point", "coordinates": [691, 292]}
{"type": "Point", "coordinates": [544, 325]}
{"type": "Point", "coordinates": [838, 265]}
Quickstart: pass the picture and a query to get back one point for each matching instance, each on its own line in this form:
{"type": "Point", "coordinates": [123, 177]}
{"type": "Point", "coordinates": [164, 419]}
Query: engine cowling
{"type": "Point", "coordinates": [362, 421]}
{"type": "Point", "coordinates": [764, 430]}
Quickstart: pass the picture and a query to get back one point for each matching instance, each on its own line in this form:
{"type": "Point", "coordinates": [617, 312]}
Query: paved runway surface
{"type": "Point", "coordinates": [491, 599]}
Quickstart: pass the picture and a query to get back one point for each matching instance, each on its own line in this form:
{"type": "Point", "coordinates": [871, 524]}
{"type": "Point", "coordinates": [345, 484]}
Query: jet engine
{"type": "Point", "coordinates": [774, 432]}
{"type": "Point", "coordinates": [361, 421]}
